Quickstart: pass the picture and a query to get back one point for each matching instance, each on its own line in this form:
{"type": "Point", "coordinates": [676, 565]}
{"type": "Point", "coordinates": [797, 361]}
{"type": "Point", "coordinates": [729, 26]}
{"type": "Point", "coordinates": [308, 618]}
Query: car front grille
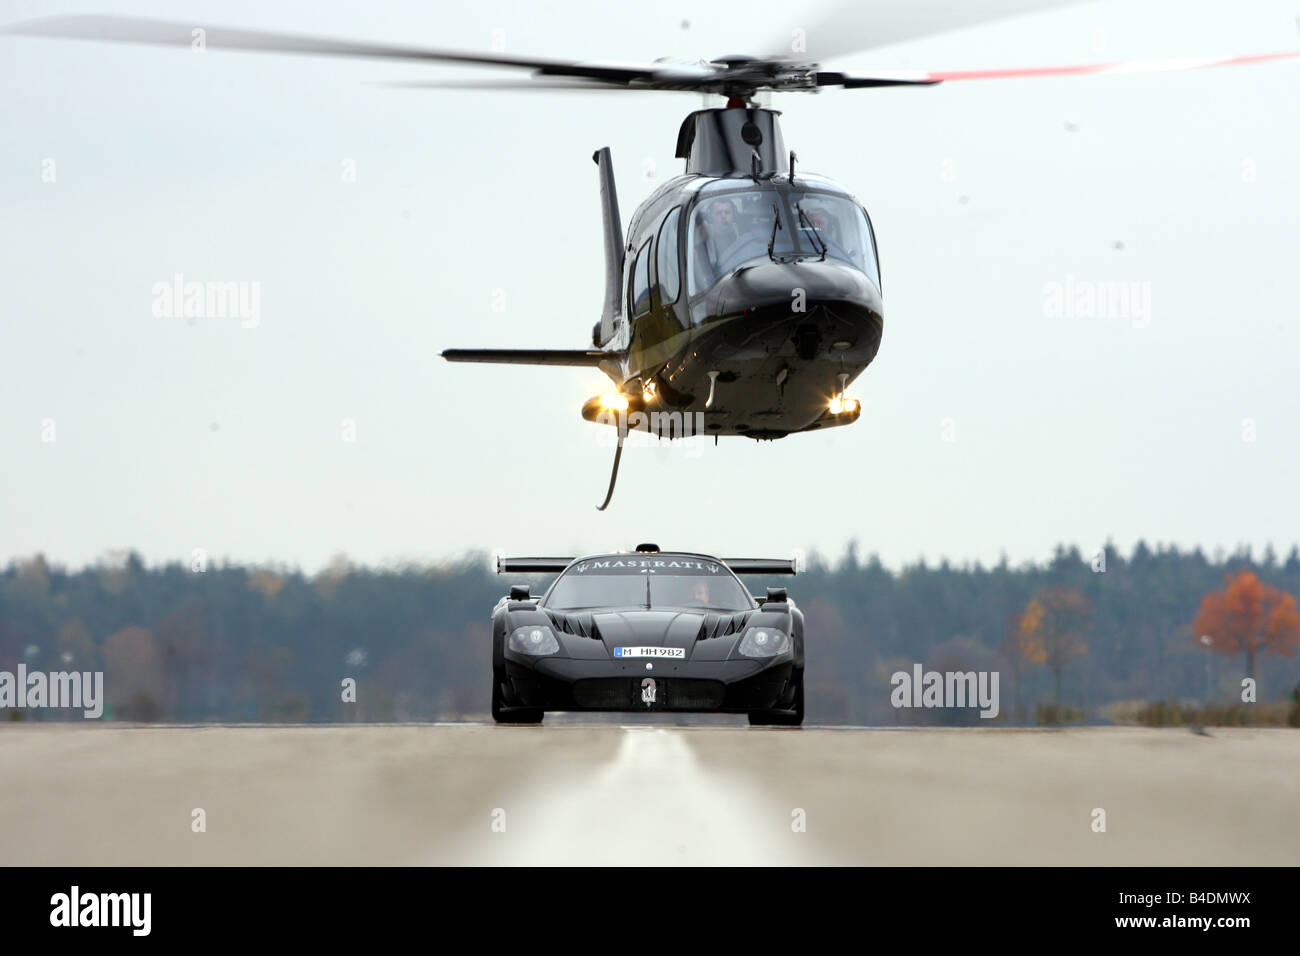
{"type": "Point", "coordinates": [622, 693]}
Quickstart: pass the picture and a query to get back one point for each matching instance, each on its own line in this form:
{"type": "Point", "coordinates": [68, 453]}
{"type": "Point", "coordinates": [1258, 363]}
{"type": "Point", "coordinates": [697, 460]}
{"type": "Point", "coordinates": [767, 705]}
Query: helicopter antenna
{"type": "Point", "coordinates": [755, 164]}
{"type": "Point", "coordinates": [793, 157]}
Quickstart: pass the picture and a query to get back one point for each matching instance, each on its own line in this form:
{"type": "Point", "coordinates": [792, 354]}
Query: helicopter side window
{"type": "Point", "coordinates": [641, 282]}
{"type": "Point", "coordinates": [873, 260]}
{"type": "Point", "coordinates": [670, 278]}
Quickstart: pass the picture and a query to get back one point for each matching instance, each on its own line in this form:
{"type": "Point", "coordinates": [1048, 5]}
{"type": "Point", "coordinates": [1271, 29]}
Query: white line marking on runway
{"type": "Point", "coordinates": [655, 804]}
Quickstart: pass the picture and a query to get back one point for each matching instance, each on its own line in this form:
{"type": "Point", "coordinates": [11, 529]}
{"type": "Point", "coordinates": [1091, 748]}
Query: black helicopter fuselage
{"type": "Point", "coordinates": [744, 300]}
{"type": "Point", "coordinates": [758, 335]}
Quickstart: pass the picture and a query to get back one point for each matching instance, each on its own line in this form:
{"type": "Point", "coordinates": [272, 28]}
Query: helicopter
{"type": "Point", "coordinates": [746, 295]}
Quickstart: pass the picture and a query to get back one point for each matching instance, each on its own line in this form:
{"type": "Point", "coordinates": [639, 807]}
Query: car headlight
{"type": "Point", "coordinates": [764, 642]}
{"type": "Point", "coordinates": [536, 639]}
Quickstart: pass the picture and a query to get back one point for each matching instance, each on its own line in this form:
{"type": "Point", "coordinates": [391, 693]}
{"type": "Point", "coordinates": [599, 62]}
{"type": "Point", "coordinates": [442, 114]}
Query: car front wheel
{"type": "Point", "coordinates": [503, 713]}
{"type": "Point", "coordinates": [792, 717]}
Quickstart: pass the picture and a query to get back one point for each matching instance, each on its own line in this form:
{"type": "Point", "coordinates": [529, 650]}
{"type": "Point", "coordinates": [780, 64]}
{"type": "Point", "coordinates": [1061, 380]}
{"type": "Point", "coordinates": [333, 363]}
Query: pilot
{"type": "Point", "coordinates": [720, 232]}
{"type": "Point", "coordinates": [723, 230]}
{"type": "Point", "coordinates": [821, 221]}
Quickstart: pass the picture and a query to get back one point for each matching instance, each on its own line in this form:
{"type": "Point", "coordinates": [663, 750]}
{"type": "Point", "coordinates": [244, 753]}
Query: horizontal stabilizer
{"type": "Point", "coordinates": [589, 358]}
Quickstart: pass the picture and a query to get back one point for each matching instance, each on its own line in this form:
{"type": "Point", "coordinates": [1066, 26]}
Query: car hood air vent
{"type": "Point", "coordinates": [583, 625]}
{"type": "Point", "coordinates": [721, 625]}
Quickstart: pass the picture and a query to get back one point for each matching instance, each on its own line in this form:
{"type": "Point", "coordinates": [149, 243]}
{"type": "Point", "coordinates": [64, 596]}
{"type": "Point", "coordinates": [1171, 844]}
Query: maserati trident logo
{"type": "Point", "coordinates": [648, 691]}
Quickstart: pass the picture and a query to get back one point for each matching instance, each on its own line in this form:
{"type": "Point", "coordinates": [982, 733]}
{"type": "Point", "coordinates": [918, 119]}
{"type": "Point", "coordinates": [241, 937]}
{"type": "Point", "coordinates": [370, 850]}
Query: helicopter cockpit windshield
{"type": "Point", "coordinates": [731, 228]}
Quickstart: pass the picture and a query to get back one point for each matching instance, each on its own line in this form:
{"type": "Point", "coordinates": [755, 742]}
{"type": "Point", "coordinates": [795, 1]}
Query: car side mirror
{"type": "Point", "coordinates": [776, 596]}
{"type": "Point", "coordinates": [519, 592]}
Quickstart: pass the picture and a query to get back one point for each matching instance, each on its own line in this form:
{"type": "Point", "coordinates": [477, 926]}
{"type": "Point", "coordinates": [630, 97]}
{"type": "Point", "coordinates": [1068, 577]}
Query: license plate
{"type": "Point", "coordinates": [674, 653]}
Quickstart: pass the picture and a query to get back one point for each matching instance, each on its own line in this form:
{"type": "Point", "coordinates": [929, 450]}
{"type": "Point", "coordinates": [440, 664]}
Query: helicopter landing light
{"type": "Point", "coordinates": [842, 405]}
{"type": "Point", "coordinates": [614, 401]}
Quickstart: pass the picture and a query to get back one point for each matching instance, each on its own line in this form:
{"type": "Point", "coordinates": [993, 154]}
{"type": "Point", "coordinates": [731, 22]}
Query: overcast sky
{"type": "Point", "coordinates": [991, 424]}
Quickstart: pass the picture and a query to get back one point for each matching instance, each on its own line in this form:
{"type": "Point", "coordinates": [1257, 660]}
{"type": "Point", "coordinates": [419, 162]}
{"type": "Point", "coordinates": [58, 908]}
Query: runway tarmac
{"type": "Point", "coordinates": [579, 793]}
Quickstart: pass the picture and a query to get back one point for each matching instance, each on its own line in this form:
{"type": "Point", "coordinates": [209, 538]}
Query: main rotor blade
{"type": "Point", "coordinates": [872, 82]}
{"type": "Point", "coordinates": [173, 33]}
{"type": "Point", "coordinates": [1078, 69]}
{"type": "Point", "coordinates": [531, 86]}
{"type": "Point", "coordinates": [851, 26]}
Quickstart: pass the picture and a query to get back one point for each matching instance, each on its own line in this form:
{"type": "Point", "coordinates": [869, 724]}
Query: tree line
{"type": "Point", "coordinates": [1076, 638]}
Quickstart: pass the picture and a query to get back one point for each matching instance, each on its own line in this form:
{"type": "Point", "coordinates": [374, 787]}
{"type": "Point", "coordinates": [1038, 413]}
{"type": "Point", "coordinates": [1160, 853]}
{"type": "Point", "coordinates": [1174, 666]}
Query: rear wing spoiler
{"type": "Point", "coordinates": [555, 565]}
{"type": "Point", "coordinates": [762, 565]}
{"type": "Point", "coordinates": [532, 565]}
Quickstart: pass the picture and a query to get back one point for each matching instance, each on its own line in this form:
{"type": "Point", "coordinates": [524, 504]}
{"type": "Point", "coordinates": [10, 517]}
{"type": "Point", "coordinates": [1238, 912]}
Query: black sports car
{"type": "Point", "coordinates": [647, 631]}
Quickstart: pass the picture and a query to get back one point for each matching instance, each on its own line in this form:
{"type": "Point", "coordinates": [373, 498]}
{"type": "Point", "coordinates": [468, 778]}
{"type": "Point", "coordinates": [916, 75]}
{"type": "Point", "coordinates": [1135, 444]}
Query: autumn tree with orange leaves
{"type": "Point", "coordinates": [1051, 630]}
{"type": "Point", "coordinates": [1249, 617]}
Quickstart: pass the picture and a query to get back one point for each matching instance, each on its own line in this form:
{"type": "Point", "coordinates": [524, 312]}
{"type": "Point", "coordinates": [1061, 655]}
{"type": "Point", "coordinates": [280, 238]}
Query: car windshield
{"type": "Point", "coordinates": [649, 581]}
{"type": "Point", "coordinates": [735, 227]}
